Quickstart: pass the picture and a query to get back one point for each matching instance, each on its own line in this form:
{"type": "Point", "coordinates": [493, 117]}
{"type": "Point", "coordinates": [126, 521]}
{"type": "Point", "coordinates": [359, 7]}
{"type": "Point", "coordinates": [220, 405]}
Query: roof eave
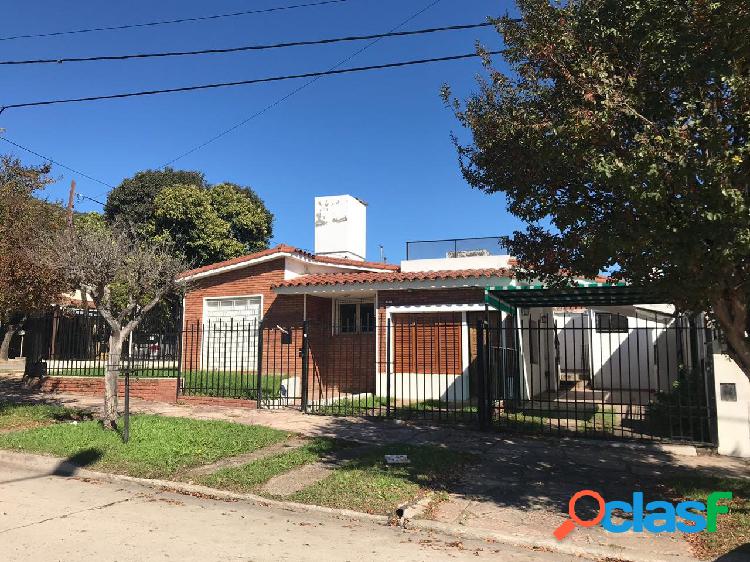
{"type": "Point", "coordinates": [334, 288]}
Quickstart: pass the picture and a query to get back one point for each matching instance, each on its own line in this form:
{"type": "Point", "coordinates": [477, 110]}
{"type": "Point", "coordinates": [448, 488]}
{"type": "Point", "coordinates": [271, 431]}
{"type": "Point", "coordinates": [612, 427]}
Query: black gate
{"type": "Point", "coordinates": [598, 374]}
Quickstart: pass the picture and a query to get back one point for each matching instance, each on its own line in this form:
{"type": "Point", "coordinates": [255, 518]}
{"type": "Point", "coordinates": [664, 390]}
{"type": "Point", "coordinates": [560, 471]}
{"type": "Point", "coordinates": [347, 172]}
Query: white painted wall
{"type": "Point", "coordinates": [341, 227]}
{"type": "Point", "coordinates": [732, 418]}
{"type": "Point", "coordinates": [647, 357]}
{"type": "Point", "coordinates": [452, 264]}
{"type": "Point", "coordinates": [417, 387]}
{"type": "Point", "coordinates": [294, 268]}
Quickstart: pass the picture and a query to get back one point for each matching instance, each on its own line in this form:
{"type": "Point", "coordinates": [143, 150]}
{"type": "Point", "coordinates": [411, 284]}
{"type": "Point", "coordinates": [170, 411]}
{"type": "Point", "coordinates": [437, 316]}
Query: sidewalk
{"type": "Point", "coordinates": [518, 491]}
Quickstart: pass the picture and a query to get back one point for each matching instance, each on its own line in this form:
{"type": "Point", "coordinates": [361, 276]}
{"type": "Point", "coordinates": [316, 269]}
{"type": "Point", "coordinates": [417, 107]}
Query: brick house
{"type": "Point", "coordinates": [431, 305]}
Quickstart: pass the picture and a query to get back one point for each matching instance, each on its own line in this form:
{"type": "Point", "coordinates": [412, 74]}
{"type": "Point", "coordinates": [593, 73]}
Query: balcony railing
{"type": "Point", "coordinates": [454, 248]}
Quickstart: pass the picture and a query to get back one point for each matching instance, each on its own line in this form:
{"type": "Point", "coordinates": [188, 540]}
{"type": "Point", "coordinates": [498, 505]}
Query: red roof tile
{"type": "Point", "coordinates": [285, 249]}
{"type": "Point", "coordinates": [390, 277]}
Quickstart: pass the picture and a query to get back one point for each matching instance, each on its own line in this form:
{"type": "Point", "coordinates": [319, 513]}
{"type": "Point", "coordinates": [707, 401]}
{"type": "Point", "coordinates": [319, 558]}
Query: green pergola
{"type": "Point", "coordinates": [585, 293]}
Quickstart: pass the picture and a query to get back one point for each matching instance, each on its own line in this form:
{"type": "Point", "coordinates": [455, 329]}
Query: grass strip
{"type": "Point", "coordinates": [733, 528]}
{"type": "Point", "coordinates": [367, 484]}
{"type": "Point", "coordinates": [159, 447]}
{"type": "Point", "coordinates": [250, 477]}
{"type": "Point", "coordinates": [14, 417]}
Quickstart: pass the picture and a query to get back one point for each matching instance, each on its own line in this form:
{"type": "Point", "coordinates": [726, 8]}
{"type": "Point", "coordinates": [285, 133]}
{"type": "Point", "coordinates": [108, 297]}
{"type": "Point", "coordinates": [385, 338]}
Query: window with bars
{"type": "Point", "coordinates": [354, 317]}
{"type": "Point", "coordinates": [608, 323]}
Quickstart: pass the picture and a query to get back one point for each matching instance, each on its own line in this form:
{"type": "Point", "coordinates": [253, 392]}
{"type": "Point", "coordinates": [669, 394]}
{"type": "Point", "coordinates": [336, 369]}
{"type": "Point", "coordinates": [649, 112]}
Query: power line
{"type": "Point", "coordinates": [56, 163]}
{"type": "Point", "coordinates": [298, 89]}
{"type": "Point", "coordinates": [174, 21]}
{"type": "Point", "coordinates": [243, 82]}
{"type": "Point", "coordinates": [247, 47]}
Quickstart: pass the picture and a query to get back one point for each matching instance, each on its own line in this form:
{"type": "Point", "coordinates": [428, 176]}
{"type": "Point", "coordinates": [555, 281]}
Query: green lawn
{"type": "Point", "coordinates": [367, 484]}
{"type": "Point", "coordinates": [227, 384]}
{"type": "Point", "coordinates": [14, 417]}
{"type": "Point", "coordinates": [160, 447]}
{"type": "Point", "coordinates": [231, 385]}
{"type": "Point", "coordinates": [249, 477]}
{"type": "Point", "coordinates": [733, 529]}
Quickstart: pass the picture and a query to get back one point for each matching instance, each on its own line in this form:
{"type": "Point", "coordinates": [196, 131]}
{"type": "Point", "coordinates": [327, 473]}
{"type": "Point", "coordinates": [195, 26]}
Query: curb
{"type": "Point", "coordinates": [65, 468]}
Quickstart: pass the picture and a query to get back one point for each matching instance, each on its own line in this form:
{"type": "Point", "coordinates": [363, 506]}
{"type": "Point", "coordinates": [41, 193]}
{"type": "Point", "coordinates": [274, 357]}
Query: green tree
{"type": "Point", "coordinates": [212, 224]}
{"type": "Point", "coordinates": [133, 199]}
{"type": "Point", "coordinates": [620, 135]}
{"type": "Point", "coordinates": [89, 221]}
{"type": "Point", "coordinates": [29, 276]}
{"type": "Point", "coordinates": [205, 223]}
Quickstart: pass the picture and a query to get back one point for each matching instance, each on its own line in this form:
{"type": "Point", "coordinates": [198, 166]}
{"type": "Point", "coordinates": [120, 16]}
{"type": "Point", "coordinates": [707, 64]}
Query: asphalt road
{"type": "Point", "coordinates": [45, 517]}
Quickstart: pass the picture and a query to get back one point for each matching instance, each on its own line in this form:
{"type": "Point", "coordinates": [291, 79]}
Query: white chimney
{"type": "Point", "coordinates": [341, 227]}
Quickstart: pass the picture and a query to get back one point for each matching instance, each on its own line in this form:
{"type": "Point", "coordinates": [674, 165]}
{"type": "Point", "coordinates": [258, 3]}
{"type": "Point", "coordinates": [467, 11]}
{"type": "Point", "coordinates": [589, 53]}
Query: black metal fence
{"type": "Point", "coordinates": [564, 373]}
{"type": "Point", "coordinates": [600, 374]}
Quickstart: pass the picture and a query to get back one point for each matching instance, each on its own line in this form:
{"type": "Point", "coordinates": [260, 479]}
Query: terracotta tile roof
{"type": "Point", "coordinates": [390, 277]}
{"type": "Point", "coordinates": [285, 249]}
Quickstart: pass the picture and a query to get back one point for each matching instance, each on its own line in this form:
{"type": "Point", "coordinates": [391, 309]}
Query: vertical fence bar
{"type": "Point", "coordinates": [259, 383]}
{"type": "Point", "coordinates": [305, 364]}
{"type": "Point", "coordinates": [388, 368]}
{"type": "Point", "coordinates": [481, 379]}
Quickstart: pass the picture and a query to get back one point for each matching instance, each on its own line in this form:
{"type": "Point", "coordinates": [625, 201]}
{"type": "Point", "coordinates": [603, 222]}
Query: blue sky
{"type": "Point", "coordinates": [383, 136]}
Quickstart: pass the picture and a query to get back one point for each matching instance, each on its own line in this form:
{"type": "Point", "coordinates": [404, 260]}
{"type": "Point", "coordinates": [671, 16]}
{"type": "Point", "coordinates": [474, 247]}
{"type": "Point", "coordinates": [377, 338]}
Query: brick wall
{"type": "Point", "coordinates": [215, 401]}
{"type": "Point", "coordinates": [283, 310]}
{"type": "Point", "coordinates": [158, 390]}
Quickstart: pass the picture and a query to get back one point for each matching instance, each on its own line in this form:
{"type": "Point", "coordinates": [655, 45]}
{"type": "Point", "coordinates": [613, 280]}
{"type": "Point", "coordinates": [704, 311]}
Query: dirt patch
{"type": "Point", "coordinates": [289, 483]}
{"type": "Point", "coordinates": [240, 460]}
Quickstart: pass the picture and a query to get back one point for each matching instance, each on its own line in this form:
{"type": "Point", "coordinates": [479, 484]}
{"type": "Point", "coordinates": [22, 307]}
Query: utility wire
{"type": "Point", "coordinates": [56, 163]}
{"type": "Point", "coordinates": [247, 47]}
{"type": "Point", "coordinates": [298, 89]}
{"type": "Point", "coordinates": [174, 21]}
{"type": "Point", "coordinates": [243, 82]}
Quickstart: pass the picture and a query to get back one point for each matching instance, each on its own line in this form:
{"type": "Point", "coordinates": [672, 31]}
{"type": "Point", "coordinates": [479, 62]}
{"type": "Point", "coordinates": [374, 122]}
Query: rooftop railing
{"type": "Point", "coordinates": [455, 248]}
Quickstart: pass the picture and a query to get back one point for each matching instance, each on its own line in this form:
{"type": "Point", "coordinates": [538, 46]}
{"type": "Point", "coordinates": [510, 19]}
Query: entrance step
{"type": "Point", "coordinates": [247, 458]}
{"type": "Point", "coordinates": [575, 376]}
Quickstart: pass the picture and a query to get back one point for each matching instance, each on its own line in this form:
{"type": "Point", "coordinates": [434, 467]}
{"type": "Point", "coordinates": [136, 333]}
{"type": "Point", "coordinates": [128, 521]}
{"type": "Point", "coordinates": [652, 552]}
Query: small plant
{"type": "Point", "coordinates": [681, 412]}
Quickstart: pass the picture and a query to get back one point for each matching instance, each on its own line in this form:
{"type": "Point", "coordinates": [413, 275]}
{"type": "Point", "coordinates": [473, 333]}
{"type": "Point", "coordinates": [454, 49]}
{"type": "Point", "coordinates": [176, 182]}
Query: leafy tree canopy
{"type": "Point", "coordinates": [29, 278]}
{"type": "Point", "coordinates": [621, 137]}
{"type": "Point", "coordinates": [204, 223]}
{"type": "Point", "coordinates": [212, 224]}
{"type": "Point", "coordinates": [133, 199]}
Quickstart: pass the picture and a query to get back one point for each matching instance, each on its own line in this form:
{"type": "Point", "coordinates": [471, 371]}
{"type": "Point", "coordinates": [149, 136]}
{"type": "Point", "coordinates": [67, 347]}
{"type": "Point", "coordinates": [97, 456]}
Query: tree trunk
{"type": "Point", "coordinates": [5, 345]}
{"type": "Point", "coordinates": [110, 380]}
{"type": "Point", "coordinates": [731, 312]}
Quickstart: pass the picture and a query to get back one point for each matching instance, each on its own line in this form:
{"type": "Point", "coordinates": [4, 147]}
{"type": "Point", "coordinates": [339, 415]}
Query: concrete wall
{"type": "Point", "coordinates": [732, 417]}
{"type": "Point", "coordinates": [453, 264]}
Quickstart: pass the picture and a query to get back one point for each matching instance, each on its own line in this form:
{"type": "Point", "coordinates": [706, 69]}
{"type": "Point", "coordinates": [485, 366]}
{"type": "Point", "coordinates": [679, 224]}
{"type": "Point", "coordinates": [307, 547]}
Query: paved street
{"type": "Point", "coordinates": [45, 517]}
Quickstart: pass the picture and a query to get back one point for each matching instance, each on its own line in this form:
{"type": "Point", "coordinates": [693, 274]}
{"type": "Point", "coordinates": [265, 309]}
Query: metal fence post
{"type": "Point", "coordinates": [481, 379]}
{"type": "Point", "coordinates": [180, 335]}
{"type": "Point", "coordinates": [388, 368]}
{"type": "Point", "coordinates": [305, 364]}
{"type": "Point", "coordinates": [259, 389]}
{"type": "Point", "coordinates": [126, 431]}
{"type": "Point", "coordinates": [708, 383]}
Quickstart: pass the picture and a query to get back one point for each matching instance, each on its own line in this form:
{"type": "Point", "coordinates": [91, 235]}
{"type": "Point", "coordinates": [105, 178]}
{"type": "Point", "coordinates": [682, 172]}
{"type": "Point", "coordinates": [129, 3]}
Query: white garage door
{"type": "Point", "coordinates": [231, 333]}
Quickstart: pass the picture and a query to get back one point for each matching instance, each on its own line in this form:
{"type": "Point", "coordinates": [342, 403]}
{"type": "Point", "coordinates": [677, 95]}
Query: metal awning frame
{"type": "Point", "coordinates": [589, 294]}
